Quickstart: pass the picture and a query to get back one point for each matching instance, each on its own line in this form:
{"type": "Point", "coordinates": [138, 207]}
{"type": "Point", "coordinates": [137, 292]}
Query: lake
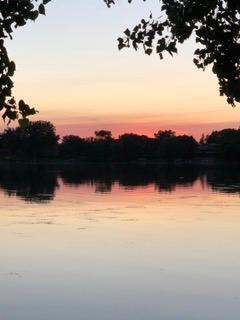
{"type": "Point", "coordinates": [119, 243]}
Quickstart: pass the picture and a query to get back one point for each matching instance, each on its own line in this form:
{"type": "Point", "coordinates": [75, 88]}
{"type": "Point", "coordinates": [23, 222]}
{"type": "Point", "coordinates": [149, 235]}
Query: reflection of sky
{"type": "Point", "coordinates": [131, 254]}
{"type": "Point", "coordinates": [68, 66]}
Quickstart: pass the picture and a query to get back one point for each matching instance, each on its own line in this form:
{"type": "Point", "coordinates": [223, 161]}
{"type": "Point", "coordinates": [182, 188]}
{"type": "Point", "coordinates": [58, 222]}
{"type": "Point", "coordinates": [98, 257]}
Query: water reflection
{"type": "Point", "coordinates": [119, 242]}
{"type": "Point", "coordinates": [30, 183]}
{"type": "Point", "coordinates": [39, 183]}
{"type": "Point", "coordinates": [225, 179]}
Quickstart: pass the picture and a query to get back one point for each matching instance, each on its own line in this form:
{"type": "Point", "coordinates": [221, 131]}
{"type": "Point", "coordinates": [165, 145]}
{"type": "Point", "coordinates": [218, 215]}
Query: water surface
{"type": "Point", "coordinates": [119, 243]}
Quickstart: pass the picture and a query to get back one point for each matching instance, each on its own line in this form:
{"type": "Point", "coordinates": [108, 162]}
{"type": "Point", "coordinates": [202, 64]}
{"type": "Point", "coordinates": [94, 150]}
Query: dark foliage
{"type": "Point", "coordinates": [35, 141]}
{"type": "Point", "coordinates": [38, 140]}
{"type": "Point", "coordinates": [129, 147]}
{"type": "Point", "coordinates": [14, 14]}
{"type": "Point", "coordinates": [228, 142]}
{"type": "Point", "coordinates": [214, 25]}
{"type": "Point", "coordinates": [103, 134]}
{"type": "Point", "coordinates": [72, 146]}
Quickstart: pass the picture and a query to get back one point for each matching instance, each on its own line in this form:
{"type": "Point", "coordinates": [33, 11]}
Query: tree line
{"type": "Point", "coordinates": [39, 140]}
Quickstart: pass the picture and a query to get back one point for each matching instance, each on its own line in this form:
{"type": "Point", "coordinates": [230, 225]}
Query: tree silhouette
{"type": "Point", "coordinates": [215, 26]}
{"type": "Point", "coordinates": [41, 138]}
{"type": "Point", "coordinates": [37, 140]}
{"type": "Point", "coordinates": [134, 146]}
{"type": "Point", "coordinates": [14, 14]}
{"type": "Point", "coordinates": [103, 134]}
{"type": "Point", "coordinates": [228, 142]}
{"type": "Point", "coordinates": [164, 134]}
{"type": "Point", "coordinates": [72, 146]}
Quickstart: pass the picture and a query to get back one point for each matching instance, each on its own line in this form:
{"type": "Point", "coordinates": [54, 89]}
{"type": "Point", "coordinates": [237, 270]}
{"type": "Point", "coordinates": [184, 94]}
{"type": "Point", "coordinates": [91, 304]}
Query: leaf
{"type": "Point", "coordinates": [41, 9]}
{"type": "Point", "coordinates": [127, 32]}
{"type": "Point", "coordinates": [21, 105]}
{"type": "Point", "coordinates": [148, 51]}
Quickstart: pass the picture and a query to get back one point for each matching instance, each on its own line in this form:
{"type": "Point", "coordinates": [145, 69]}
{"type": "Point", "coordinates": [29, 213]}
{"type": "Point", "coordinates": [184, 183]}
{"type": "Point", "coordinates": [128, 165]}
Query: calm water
{"type": "Point", "coordinates": [119, 243]}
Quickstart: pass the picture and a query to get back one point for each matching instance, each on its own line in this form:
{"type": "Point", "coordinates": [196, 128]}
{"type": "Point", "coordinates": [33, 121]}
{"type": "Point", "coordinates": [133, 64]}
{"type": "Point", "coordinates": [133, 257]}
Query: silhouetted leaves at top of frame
{"type": "Point", "coordinates": [214, 24]}
{"type": "Point", "coordinates": [14, 14]}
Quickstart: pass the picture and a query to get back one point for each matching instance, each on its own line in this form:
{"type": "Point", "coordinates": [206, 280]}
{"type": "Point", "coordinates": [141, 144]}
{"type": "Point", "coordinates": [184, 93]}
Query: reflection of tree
{"type": "Point", "coordinates": [224, 179]}
{"type": "Point", "coordinates": [38, 183]}
{"type": "Point", "coordinates": [164, 177]}
{"type": "Point", "coordinates": [171, 177]}
{"type": "Point", "coordinates": [30, 183]}
{"type": "Point", "coordinates": [103, 187]}
{"type": "Point", "coordinates": [99, 176]}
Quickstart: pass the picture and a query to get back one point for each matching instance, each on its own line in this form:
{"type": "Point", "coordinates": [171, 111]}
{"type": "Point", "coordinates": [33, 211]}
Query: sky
{"type": "Point", "coordinates": [70, 69]}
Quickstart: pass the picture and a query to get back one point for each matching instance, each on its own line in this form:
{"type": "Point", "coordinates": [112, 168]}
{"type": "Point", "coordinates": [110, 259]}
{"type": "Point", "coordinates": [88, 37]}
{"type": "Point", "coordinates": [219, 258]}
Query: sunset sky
{"type": "Point", "coordinates": [69, 67]}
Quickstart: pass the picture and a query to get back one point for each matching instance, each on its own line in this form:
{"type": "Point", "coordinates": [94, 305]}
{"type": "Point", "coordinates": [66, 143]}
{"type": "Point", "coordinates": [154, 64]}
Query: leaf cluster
{"type": "Point", "coordinates": [14, 14]}
{"type": "Point", "coordinates": [215, 25]}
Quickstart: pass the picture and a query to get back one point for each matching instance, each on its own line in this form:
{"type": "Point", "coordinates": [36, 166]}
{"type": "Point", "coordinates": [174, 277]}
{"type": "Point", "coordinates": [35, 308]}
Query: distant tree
{"type": "Point", "coordinates": [10, 142]}
{"type": "Point", "coordinates": [72, 146]}
{"type": "Point", "coordinates": [102, 146]}
{"type": "Point", "coordinates": [164, 134]}
{"type": "Point", "coordinates": [41, 138]}
{"type": "Point", "coordinates": [186, 147]}
{"type": "Point", "coordinates": [228, 141]}
{"type": "Point", "coordinates": [36, 140]}
{"type": "Point", "coordinates": [133, 146]}
{"type": "Point", "coordinates": [203, 139]}
{"type": "Point", "coordinates": [171, 146]}
{"type": "Point", "coordinates": [14, 14]}
{"type": "Point", "coordinates": [213, 23]}
{"type": "Point", "coordinates": [167, 149]}
{"type": "Point", "coordinates": [103, 134]}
